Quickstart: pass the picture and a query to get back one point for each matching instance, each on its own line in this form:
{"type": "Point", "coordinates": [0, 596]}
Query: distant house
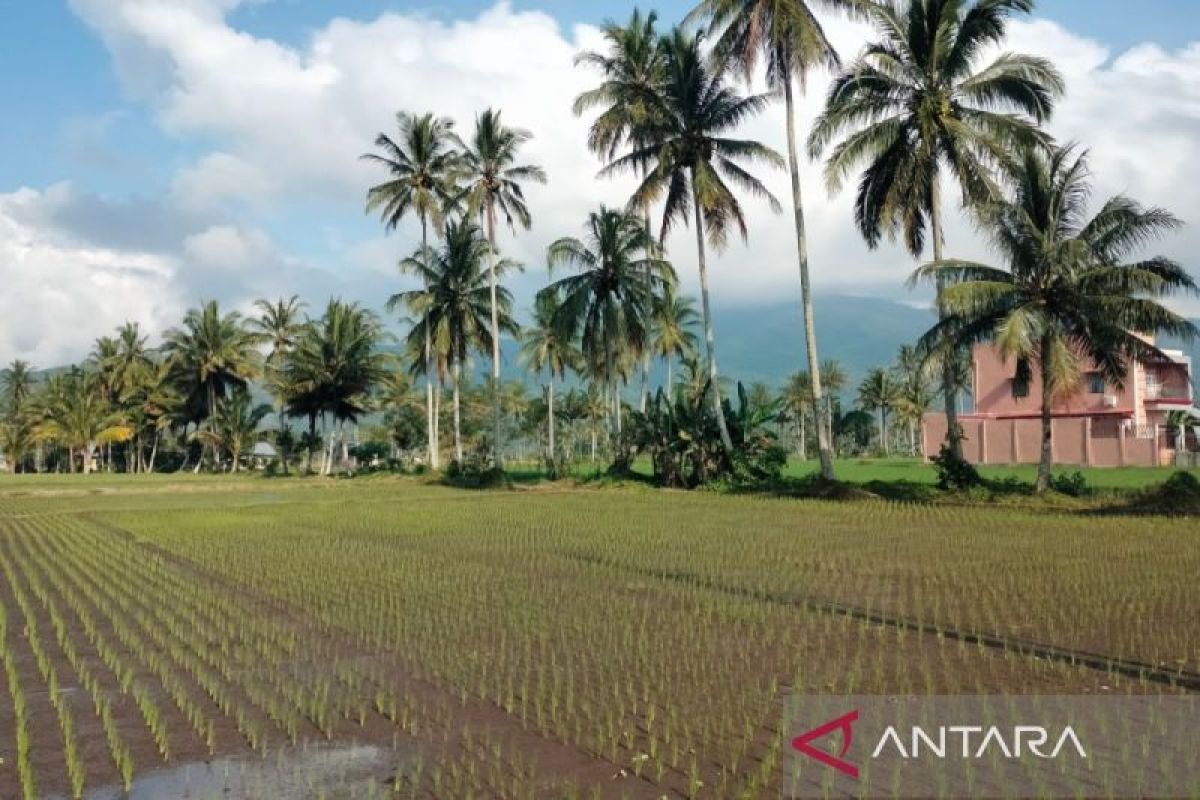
{"type": "Point", "coordinates": [1098, 425]}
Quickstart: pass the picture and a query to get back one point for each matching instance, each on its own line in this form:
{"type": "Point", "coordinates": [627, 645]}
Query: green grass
{"type": "Point", "coordinates": [864, 471]}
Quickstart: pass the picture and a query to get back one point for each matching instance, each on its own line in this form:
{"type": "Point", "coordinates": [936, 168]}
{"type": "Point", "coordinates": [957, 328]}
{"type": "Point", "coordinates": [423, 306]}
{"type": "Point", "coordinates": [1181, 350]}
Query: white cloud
{"type": "Point", "coordinates": [288, 123]}
{"type": "Point", "coordinates": [218, 177]}
{"type": "Point", "coordinates": [59, 293]}
{"type": "Point", "coordinates": [227, 247]}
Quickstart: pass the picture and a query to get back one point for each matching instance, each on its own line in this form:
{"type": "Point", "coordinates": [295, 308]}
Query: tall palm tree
{"type": "Point", "coordinates": [544, 347]}
{"type": "Point", "coordinates": [424, 166]}
{"type": "Point", "coordinates": [17, 383]}
{"type": "Point", "coordinates": [237, 427]}
{"type": "Point", "coordinates": [633, 69]}
{"type": "Point", "coordinates": [212, 353]}
{"type": "Point", "coordinates": [789, 38]}
{"type": "Point", "coordinates": [915, 393]}
{"type": "Point", "coordinates": [80, 419]}
{"type": "Point", "coordinates": [494, 186]}
{"type": "Point", "coordinates": [671, 335]}
{"type": "Point", "coordinates": [917, 102]}
{"type": "Point", "coordinates": [455, 311]}
{"type": "Point", "coordinates": [131, 363]}
{"type": "Point", "coordinates": [834, 376]}
{"type": "Point", "coordinates": [279, 322]}
{"type": "Point", "coordinates": [691, 162]}
{"type": "Point", "coordinates": [798, 400]}
{"type": "Point", "coordinates": [609, 301]}
{"type": "Point", "coordinates": [879, 392]}
{"type": "Point", "coordinates": [1066, 294]}
{"type": "Point", "coordinates": [332, 368]}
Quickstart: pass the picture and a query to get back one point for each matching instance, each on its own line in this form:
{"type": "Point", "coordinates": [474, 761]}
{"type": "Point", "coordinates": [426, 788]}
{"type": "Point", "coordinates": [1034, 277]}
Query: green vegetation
{"type": "Point", "coordinates": [864, 471]}
{"type": "Point", "coordinates": [618, 641]}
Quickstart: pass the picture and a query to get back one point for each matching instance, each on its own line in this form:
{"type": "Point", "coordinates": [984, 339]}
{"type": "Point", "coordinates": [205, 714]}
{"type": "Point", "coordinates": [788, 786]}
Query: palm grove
{"type": "Point", "coordinates": [931, 109]}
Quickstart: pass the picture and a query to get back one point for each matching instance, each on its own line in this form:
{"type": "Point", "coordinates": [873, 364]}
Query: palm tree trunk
{"type": "Point", "coordinates": [669, 387]}
{"type": "Point", "coordinates": [645, 394]}
{"type": "Point", "coordinates": [824, 450]}
{"type": "Point", "coordinates": [550, 416]}
{"type": "Point", "coordinates": [212, 421]}
{"type": "Point", "coordinates": [949, 383]}
{"type": "Point", "coordinates": [1046, 463]}
{"type": "Point", "coordinates": [438, 392]}
{"type": "Point", "coordinates": [430, 421]}
{"type": "Point", "coordinates": [458, 449]}
{"type": "Point", "coordinates": [804, 438]}
{"type": "Point", "coordinates": [496, 443]}
{"type": "Point", "coordinates": [154, 450]}
{"type": "Point", "coordinates": [710, 342]}
{"type": "Point", "coordinates": [312, 436]}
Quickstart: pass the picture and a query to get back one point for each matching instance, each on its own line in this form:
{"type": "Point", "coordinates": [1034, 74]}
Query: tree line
{"type": "Point", "coordinates": [929, 106]}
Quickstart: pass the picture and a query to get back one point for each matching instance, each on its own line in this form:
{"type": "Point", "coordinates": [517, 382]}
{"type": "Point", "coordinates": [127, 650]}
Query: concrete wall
{"type": "Point", "coordinates": [1082, 441]}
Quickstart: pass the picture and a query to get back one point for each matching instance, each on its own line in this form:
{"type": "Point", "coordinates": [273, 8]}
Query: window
{"type": "Point", "coordinates": [1020, 389]}
{"type": "Point", "coordinates": [1095, 383]}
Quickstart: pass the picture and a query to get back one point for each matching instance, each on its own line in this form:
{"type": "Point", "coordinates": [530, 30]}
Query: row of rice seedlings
{"type": "Point", "coordinates": [109, 655]}
{"type": "Point", "coordinates": [669, 663]}
{"type": "Point", "coordinates": [20, 711]}
{"type": "Point", "coordinates": [32, 633]}
{"type": "Point", "coordinates": [147, 636]}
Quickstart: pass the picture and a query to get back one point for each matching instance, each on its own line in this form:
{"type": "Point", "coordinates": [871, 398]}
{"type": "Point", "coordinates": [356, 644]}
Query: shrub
{"type": "Point", "coordinates": [476, 470]}
{"type": "Point", "coordinates": [682, 438]}
{"type": "Point", "coordinates": [955, 473]}
{"type": "Point", "coordinates": [1071, 484]}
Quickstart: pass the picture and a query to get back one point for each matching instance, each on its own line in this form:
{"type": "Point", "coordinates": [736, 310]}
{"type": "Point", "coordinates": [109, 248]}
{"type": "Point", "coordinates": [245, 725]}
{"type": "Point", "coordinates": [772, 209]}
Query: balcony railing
{"type": "Point", "coordinates": [1160, 392]}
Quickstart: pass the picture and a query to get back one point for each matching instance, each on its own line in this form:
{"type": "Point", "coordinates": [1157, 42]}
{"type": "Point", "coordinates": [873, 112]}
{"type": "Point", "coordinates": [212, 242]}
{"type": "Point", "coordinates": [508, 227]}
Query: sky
{"type": "Point", "coordinates": [162, 152]}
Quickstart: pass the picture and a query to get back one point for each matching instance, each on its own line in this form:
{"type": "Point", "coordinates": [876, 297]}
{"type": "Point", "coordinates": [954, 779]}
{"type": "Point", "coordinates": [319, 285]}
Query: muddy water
{"type": "Point", "coordinates": [341, 772]}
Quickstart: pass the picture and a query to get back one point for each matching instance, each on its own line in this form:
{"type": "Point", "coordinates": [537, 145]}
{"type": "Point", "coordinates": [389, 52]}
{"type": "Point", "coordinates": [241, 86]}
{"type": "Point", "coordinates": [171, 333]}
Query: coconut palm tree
{"type": "Point", "coordinates": [915, 394]}
{"type": "Point", "coordinates": [633, 69]}
{"type": "Point", "coordinates": [279, 322]}
{"type": "Point", "coordinates": [671, 329]}
{"type": "Point", "coordinates": [333, 366]}
{"type": "Point", "coordinates": [798, 400]}
{"type": "Point", "coordinates": [691, 162]}
{"type": "Point", "coordinates": [237, 427]}
{"type": "Point", "coordinates": [1066, 294]}
{"type": "Point", "coordinates": [544, 347]}
{"type": "Point", "coordinates": [17, 382]}
{"type": "Point", "coordinates": [880, 392]}
{"type": "Point", "coordinates": [916, 103]}
{"type": "Point", "coordinates": [494, 186]}
{"type": "Point", "coordinates": [455, 311]}
{"type": "Point", "coordinates": [609, 301]}
{"type": "Point", "coordinates": [835, 380]}
{"type": "Point", "coordinates": [212, 354]}
{"type": "Point", "coordinates": [788, 37]}
{"type": "Point", "coordinates": [424, 167]}
{"type": "Point", "coordinates": [131, 363]}
{"type": "Point", "coordinates": [80, 419]}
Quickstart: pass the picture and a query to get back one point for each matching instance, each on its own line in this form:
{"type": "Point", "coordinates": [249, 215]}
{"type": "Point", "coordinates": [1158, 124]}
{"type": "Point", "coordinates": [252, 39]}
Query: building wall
{"type": "Point", "coordinates": [1079, 441]}
{"type": "Point", "coordinates": [994, 391]}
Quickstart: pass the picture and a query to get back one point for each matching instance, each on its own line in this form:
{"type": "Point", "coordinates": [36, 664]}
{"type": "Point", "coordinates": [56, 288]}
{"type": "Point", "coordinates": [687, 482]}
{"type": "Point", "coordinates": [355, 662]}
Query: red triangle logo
{"type": "Point", "coordinates": [845, 724]}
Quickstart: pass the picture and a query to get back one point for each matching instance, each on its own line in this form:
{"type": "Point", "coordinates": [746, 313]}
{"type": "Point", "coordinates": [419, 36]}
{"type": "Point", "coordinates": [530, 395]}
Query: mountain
{"type": "Point", "coordinates": [766, 343]}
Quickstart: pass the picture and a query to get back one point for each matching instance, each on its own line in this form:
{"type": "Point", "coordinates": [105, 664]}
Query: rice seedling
{"type": "Point", "coordinates": [602, 643]}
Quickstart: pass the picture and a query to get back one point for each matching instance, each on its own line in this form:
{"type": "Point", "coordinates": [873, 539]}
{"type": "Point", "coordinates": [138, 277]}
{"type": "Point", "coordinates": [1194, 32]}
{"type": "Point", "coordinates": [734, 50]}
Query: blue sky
{"type": "Point", "coordinates": [58, 74]}
{"type": "Point", "coordinates": [185, 149]}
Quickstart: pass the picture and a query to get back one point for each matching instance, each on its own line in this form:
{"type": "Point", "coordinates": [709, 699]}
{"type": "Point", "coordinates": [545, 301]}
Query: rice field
{"type": "Point", "coordinates": [390, 638]}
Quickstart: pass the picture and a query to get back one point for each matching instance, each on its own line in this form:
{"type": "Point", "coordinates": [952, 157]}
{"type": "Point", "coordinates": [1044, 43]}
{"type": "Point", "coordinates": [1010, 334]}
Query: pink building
{"type": "Point", "coordinates": [1099, 425]}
